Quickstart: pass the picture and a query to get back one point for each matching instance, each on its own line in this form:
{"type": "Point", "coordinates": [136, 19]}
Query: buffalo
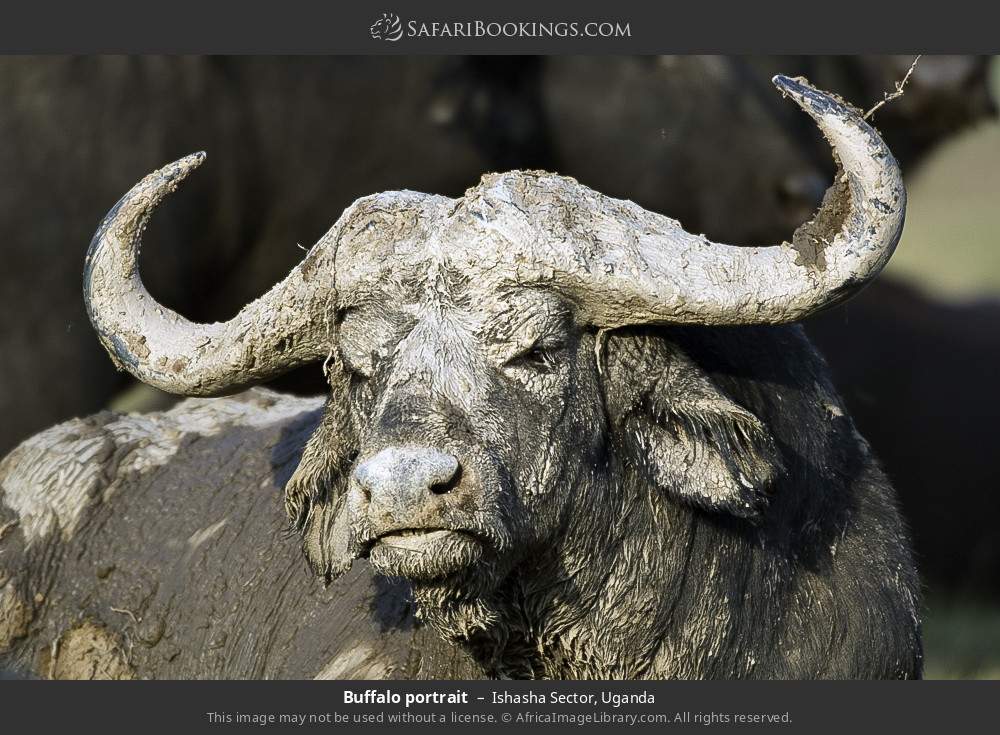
{"type": "Point", "coordinates": [588, 442]}
{"type": "Point", "coordinates": [715, 148]}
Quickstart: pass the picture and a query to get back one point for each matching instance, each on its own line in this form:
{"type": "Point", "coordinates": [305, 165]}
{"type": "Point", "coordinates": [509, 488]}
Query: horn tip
{"type": "Point", "coordinates": [179, 169]}
{"type": "Point", "coordinates": [166, 179]}
{"type": "Point", "coordinates": [191, 161]}
{"type": "Point", "coordinates": [814, 101]}
{"type": "Point", "coordinates": [798, 88]}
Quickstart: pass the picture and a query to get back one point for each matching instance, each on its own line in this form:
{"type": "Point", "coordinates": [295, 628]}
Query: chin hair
{"type": "Point", "coordinates": [465, 605]}
{"type": "Point", "coordinates": [457, 618]}
{"type": "Point", "coordinates": [492, 631]}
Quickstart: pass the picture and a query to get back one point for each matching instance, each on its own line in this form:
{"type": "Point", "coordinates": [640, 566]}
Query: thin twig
{"type": "Point", "coordinates": [889, 96]}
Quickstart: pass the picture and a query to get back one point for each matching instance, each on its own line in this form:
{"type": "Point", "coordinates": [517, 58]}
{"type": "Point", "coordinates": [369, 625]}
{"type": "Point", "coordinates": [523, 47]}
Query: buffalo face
{"type": "Point", "coordinates": [473, 412]}
{"type": "Point", "coordinates": [463, 403]}
{"type": "Point", "coordinates": [478, 425]}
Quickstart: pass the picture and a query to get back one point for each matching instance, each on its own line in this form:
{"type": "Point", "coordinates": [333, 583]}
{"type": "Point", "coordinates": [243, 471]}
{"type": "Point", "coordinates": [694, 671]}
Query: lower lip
{"type": "Point", "coordinates": [416, 541]}
{"type": "Point", "coordinates": [425, 556]}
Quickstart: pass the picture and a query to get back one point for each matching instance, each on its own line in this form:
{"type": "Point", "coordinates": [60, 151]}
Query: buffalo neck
{"type": "Point", "coordinates": [595, 605]}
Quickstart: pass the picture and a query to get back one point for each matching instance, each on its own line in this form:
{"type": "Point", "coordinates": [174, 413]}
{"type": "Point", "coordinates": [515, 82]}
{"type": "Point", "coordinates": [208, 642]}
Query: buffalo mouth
{"type": "Point", "coordinates": [425, 554]}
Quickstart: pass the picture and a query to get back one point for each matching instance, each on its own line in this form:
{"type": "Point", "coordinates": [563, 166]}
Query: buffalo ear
{"type": "Point", "coordinates": [692, 440]}
{"type": "Point", "coordinates": [315, 495]}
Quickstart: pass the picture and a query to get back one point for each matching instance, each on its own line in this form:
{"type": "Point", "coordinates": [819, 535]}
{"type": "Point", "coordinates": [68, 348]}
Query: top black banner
{"type": "Point", "coordinates": [511, 27]}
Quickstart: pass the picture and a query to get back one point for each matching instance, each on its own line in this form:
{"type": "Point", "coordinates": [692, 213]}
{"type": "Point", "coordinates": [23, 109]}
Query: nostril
{"type": "Point", "coordinates": [362, 478]}
{"type": "Point", "coordinates": [402, 477]}
{"type": "Point", "coordinates": [446, 486]}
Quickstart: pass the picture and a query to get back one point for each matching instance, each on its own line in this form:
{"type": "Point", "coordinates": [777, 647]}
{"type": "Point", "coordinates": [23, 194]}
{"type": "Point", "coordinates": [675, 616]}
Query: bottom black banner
{"type": "Point", "coordinates": [254, 706]}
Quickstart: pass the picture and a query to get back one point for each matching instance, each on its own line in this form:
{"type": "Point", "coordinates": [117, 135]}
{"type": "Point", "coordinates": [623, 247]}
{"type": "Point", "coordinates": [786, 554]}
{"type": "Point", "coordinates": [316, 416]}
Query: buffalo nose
{"type": "Point", "coordinates": [400, 482]}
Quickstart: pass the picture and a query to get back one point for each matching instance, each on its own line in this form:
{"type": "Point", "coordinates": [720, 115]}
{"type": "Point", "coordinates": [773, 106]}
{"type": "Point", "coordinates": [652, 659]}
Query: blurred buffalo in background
{"type": "Point", "coordinates": [292, 141]}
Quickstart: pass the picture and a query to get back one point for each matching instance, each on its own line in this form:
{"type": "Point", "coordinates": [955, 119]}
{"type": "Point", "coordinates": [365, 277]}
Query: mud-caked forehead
{"type": "Point", "coordinates": [540, 226]}
{"type": "Point", "coordinates": [516, 228]}
{"type": "Point", "coordinates": [546, 211]}
{"type": "Point", "coordinates": [385, 243]}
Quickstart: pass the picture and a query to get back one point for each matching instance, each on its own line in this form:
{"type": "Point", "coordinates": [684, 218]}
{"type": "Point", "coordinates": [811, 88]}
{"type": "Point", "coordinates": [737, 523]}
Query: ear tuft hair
{"type": "Point", "coordinates": [695, 443]}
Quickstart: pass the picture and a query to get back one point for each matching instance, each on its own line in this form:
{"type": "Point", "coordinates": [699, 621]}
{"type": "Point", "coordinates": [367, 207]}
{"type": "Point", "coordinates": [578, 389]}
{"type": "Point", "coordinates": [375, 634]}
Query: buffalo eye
{"type": "Point", "coordinates": [537, 359]}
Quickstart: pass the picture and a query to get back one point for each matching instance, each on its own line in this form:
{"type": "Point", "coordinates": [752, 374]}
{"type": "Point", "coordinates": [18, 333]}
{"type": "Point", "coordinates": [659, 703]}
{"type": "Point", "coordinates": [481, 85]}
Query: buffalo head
{"type": "Point", "coordinates": [494, 359]}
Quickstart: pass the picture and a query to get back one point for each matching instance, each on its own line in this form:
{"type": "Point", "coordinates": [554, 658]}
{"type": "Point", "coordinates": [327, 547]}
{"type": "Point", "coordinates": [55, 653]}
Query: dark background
{"type": "Point", "coordinates": [293, 140]}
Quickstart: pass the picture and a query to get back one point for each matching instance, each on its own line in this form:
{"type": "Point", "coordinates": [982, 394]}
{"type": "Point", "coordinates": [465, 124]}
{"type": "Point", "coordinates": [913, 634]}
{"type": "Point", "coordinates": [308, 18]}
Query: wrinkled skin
{"type": "Point", "coordinates": [506, 389]}
{"type": "Point", "coordinates": [572, 503]}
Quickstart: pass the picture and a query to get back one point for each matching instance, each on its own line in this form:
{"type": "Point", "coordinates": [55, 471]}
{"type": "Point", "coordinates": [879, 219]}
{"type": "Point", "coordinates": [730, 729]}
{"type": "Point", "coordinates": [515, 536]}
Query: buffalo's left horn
{"type": "Point", "coordinates": [659, 273]}
{"type": "Point", "coordinates": [269, 336]}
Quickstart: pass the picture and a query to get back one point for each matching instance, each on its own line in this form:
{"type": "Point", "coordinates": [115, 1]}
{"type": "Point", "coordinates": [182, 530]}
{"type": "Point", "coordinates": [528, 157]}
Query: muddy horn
{"type": "Point", "coordinates": [281, 330]}
{"type": "Point", "coordinates": [663, 274]}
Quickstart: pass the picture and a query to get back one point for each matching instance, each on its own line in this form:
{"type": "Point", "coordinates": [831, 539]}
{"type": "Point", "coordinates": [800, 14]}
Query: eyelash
{"type": "Point", "coordinates": [536, 358]}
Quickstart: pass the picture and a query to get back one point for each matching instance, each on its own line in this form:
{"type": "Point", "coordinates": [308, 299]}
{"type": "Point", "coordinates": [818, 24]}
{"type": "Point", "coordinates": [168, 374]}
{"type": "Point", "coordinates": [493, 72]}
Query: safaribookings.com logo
{"type": "Point", "coordinates": [387, 28]}
{"type": "Point", "coordinates": [390, 28]}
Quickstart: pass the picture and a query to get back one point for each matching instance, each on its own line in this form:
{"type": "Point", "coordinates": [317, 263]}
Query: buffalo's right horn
{"type": "Point", "coordinates": [279, 331]}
